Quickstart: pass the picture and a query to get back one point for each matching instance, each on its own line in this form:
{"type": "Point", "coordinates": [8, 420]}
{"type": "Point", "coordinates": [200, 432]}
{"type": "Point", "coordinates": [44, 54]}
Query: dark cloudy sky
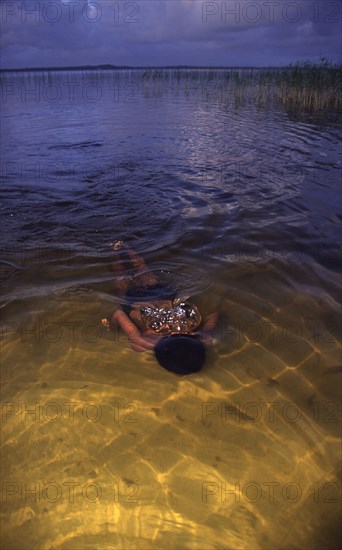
{"type": "Point", "coordinates": [42, 33]}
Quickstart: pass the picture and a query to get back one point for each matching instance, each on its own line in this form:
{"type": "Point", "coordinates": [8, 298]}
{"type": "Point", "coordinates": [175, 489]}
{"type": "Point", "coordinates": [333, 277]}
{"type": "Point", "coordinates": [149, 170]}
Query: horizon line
{"type": "Point", "coordinates": [108, 66]}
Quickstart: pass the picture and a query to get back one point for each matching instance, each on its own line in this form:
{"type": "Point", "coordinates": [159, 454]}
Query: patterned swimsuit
{"type": "Point", "coordinates": [181, 318]}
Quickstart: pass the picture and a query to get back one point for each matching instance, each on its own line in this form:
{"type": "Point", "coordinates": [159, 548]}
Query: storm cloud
{"type": "Point", "coordinates": [52, 33]}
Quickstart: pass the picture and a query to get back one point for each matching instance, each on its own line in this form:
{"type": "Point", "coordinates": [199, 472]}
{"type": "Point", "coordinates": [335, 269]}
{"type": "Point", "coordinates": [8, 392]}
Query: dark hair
{"type": "Point", "coordinates": [180, 353]}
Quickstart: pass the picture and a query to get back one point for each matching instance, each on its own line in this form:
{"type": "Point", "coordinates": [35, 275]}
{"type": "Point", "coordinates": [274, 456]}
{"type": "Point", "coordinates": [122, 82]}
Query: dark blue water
{"type": "Point", "coordinates": [87, 158]}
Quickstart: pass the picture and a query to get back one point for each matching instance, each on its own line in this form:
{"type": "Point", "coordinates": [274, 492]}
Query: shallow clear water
{"type": "Point", "coordinates": [235, 203]}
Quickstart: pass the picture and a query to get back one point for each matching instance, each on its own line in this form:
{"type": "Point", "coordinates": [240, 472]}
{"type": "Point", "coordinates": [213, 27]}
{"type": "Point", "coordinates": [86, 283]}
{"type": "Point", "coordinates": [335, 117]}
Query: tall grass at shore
{"type": "Point", "coordinates": [309, 86]}
{"type": "Point", "coordinates": [302, 86]}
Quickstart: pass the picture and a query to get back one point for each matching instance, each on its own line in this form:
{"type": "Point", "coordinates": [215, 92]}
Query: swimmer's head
{"type": "Point", "coordinates": [181, 354]}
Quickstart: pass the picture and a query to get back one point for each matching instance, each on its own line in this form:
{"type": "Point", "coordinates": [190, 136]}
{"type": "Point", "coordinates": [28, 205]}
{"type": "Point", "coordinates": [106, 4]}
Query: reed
{"type": "Point", "coordinates": [305, 86]}
{"type": "Point", "coordinates": [310, 86]}
{"type": "Point", "coordinates": [301, 86]}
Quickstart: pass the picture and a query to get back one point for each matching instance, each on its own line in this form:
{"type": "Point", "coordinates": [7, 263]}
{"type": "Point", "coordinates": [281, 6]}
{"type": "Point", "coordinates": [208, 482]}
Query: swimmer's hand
{"type": "Point", "coordinates": [208, 339]}
{"type": "Point", "coordinates": [138, 342]}
{"type": "Point", "coordinates": [210, 323]}
{"type": "Point", "coordinates": [106, 323]}
{"type": "Point", "coordinates": [110, 322]}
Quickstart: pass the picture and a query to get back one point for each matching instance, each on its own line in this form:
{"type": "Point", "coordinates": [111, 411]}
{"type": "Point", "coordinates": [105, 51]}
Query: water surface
{"type": "Point", "coordinates": [236, 203]}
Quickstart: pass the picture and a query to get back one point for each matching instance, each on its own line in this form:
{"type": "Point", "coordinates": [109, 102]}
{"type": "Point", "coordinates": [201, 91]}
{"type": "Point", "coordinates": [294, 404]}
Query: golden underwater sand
{"type": "Point", "coordinates": [121, 454]}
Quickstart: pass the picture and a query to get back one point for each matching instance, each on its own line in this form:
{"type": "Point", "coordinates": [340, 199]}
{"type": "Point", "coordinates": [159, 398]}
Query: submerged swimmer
{"type": "Point", "coordinates": [154, 318]}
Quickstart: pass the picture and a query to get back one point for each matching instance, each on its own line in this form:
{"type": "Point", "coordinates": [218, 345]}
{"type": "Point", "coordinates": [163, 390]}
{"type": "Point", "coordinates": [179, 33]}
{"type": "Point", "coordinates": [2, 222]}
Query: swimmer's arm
{"type": "Point", "coordinates": [210, 322]}
{"type": "Point", "coordinates": [126, 324]}
{"type": "Point", "coordinates": [208, 328]}
{"type": "Point", "coordinates": [138, 342]}
{"type": "Point", "coordinates": [119, 318]}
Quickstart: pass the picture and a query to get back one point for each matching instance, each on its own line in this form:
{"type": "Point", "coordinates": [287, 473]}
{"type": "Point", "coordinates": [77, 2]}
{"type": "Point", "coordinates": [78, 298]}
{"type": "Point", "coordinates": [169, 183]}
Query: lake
{"type": "Point", "coordinates": [231, 200]}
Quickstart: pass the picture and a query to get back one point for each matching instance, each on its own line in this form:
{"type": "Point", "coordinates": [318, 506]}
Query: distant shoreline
{"type": "Point", "coordinates": [130, 67]}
